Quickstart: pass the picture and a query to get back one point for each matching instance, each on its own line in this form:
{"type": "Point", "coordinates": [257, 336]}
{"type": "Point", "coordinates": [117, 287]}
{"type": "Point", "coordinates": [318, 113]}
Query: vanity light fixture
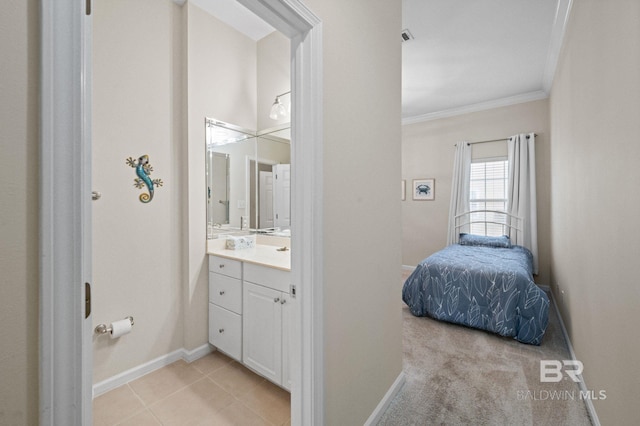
{"type": "Point", "coordinates": [277, 109]}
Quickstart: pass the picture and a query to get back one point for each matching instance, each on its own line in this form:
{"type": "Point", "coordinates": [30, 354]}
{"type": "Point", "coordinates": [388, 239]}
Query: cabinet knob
{"type": "Point", "coordinates": [221, 265]}
{"type": "Point", "coordinates": [221, 292]}
{"type": "Point", "coordinates": [276, 300]}
{"type": "Point", "coordinates": [283, 301]}
{"type": "Point", "coordinates": [221, 331]}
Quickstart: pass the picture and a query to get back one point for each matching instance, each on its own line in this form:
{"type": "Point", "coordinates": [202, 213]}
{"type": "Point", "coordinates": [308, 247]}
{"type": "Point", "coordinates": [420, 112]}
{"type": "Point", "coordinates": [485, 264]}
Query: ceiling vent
{"type": "Point", "coordinates": [406, 35]}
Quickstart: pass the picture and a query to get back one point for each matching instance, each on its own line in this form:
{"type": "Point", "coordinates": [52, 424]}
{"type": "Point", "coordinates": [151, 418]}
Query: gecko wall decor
{"type": "Point", "coordinates": [143, 171]}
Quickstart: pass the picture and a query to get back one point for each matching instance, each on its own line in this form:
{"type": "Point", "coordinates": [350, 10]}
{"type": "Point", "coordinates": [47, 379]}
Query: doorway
{"type": "Point", "coordinates": [66, 217]}
{"type": "Point", "coordinates": [261, 188]}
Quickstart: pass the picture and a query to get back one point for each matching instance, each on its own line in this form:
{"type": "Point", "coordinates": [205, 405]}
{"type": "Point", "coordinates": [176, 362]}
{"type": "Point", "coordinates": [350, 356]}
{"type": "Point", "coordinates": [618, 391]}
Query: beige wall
{"type": "Point", "coordinates": [222, 73]}
{"type": "Point", "coordinates": [149, 259]}
{"type": "Point", "coordinates": [428, 151]}
{"type": "Point", "coordinates": [221, 83]}
{"type": "Point", "coordinates": [136, 246]}
{"type": "Point", "coordinates": [595, 105]}
{"type": "Point", "coordinates": [274, 77]}
{"type": "Point", "coordinates": [19, 123]}
{"type": "Point", "coordinates": [363, 332]}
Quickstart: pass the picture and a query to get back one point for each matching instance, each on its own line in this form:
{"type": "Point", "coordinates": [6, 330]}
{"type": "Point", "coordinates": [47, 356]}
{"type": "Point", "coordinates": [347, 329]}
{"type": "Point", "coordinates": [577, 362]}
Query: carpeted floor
{"type": "Point", "coordinates": [460, 376]}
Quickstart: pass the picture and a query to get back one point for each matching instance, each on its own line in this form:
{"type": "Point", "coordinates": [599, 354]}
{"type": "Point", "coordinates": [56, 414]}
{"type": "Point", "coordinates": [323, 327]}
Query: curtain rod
{"type": "Point", "coordinates": [493, 140]}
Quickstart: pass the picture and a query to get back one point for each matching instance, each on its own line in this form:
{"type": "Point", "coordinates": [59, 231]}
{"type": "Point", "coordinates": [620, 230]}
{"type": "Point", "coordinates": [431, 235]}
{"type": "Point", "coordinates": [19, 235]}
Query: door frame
{"type": "Point", "coordinates": [65, 211]}
{"type": "Point", "coordinates": [65, 380]}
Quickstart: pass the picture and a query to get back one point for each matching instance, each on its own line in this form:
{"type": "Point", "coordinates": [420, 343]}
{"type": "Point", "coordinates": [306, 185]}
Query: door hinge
{"type": "Point", "coordinates": [292, 291]}
{"type": "Point", "coordinates": [87, 300]}
{"type": "Point", "coordinates": [88, 7]}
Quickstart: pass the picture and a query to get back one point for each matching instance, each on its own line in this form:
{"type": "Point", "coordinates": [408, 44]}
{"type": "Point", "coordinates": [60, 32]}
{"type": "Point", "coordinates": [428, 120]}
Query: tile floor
{"type": "Point", "coordinates": [214, 390]}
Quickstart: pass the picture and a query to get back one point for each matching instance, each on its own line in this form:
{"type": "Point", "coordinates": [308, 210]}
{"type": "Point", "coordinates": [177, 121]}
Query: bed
{"type": "Point", "coordinates": [481, 282]}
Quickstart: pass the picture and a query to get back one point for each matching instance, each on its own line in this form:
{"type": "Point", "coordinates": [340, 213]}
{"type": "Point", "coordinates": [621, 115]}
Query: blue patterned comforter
{"type": "Point", "coordinates": [482, 287]}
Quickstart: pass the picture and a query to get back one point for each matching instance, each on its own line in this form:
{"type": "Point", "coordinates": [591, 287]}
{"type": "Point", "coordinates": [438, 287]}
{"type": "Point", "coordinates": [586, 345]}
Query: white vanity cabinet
{"type": "Point", "coordinates": [265, 330]}
{"type": "Point", "coordinates": [249, 315]}
{"type": "Point", "coordinates": [225, 305]}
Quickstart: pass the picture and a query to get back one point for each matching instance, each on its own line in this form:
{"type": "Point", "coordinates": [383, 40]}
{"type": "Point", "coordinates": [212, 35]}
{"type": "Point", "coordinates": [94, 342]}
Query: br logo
{"type": "Point", "coordinates": [551, 370]}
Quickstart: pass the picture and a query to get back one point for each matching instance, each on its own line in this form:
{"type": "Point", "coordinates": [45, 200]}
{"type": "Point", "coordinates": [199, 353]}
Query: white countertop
{"type": "Point", "coordinates": [261, 254]}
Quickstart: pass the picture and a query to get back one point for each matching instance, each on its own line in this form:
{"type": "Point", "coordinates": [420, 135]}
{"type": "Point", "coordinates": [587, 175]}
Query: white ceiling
{"type": "Point", "coordinates": [237, 16]}
{"type": "Point", "coordinates": [466, 55]}
{"type": "Point", "coordinates": [475, 53]}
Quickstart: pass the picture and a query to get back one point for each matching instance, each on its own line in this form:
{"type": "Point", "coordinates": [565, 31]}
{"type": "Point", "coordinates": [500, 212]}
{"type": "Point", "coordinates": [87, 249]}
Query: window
{"type": "Point", "coordinates": [488, 191]}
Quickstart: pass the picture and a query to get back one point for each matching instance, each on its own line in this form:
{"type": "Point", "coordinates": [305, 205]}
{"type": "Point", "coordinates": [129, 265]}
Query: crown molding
{"type": "Point", "coordinates": [511, 100]}
{"type": "Point", "coordinates": [557, 40]}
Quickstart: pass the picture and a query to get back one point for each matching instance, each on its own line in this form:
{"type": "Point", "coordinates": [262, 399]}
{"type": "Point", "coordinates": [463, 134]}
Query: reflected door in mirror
{"type": "Point", "coordinates": [218, 189]}
{"type": "Point", "coordinates": [282, 196]}
{"type": "Point", "coordinates": [266, 200]}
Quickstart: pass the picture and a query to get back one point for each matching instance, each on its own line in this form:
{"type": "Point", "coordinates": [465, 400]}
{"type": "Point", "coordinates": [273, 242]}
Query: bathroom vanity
{"type": "Point", "coordinates": [248, 188]}
{"type": "Point", "coordinates": [250, 304]}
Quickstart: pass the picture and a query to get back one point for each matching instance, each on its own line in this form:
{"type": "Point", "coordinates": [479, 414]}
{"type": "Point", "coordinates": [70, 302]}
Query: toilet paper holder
{"type": "Point", "coordinates": [103, 328]}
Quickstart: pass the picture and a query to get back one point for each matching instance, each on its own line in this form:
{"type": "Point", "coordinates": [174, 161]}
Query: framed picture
{"type": "Point", "coordinates": [424, 189]}
{"type": "Point", "coordinates": [404, 190]}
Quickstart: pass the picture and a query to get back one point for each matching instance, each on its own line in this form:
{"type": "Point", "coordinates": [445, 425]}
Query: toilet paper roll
{"type": "Point", "coordinates": [119, 328]}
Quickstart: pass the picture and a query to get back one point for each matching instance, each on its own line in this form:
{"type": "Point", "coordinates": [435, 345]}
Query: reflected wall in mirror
{"type": "Point", "coordinates": [227, 189]}
{"type": "Point", "coordinates": [248, 179]}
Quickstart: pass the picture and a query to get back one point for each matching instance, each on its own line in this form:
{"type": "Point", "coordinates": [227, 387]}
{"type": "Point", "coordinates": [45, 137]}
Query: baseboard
{"type": "Point", "coordinates": [376, 415]}
{"type": "Point", "coordinates": [591, 410]}
{"type": "Point", "coordinates": [408, 268]}
{"type": "Point", "coordinates": [197, 353]}
{"type": "Point", "coordinates": [146, 368]}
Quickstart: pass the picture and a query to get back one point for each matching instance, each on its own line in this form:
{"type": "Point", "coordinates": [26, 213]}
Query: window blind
{"type": "Point", "coordinates": [488, 191]}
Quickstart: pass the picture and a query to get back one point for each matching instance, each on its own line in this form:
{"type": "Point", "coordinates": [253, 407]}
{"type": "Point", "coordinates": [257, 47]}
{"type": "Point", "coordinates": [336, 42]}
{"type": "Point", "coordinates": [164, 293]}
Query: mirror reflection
{"type": "Point", "coordinates": [272, 181]}
{"type": "Point", "coordinates": [218, 188]}
{"type": "Point", "coordinates": [248, 179]}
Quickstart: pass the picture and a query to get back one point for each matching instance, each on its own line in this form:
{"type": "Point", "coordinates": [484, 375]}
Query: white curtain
{"type": "Point", "coordinates": [459, 190]}
{"type": "Point", "coordinates": [522, 191]}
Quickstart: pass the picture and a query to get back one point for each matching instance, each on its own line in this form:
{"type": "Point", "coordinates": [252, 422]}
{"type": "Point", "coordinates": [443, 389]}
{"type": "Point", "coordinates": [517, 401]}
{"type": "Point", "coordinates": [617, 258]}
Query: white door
{"type": "Point", "coordinates": [282, 195]}
{"type": "Point", "coordinates": [87, 252]}
{"type": "Point", "coordinates": [266, 200]}
{"type": "Point", "coordinates": [262, 330]}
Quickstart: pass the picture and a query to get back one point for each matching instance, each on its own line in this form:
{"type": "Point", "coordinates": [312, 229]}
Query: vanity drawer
{"type": "Point", "coordinates": [224, 266]}
{"type": "Point", "coordinates": [225, 292]}
{"type": "Point", "coordinates": [225, 331]}
{"type": "Point", "coordinates": [276, 279]}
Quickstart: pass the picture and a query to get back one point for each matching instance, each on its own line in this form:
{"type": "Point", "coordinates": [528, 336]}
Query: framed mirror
{"type": "Point", "coordinates": [247, 179]}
